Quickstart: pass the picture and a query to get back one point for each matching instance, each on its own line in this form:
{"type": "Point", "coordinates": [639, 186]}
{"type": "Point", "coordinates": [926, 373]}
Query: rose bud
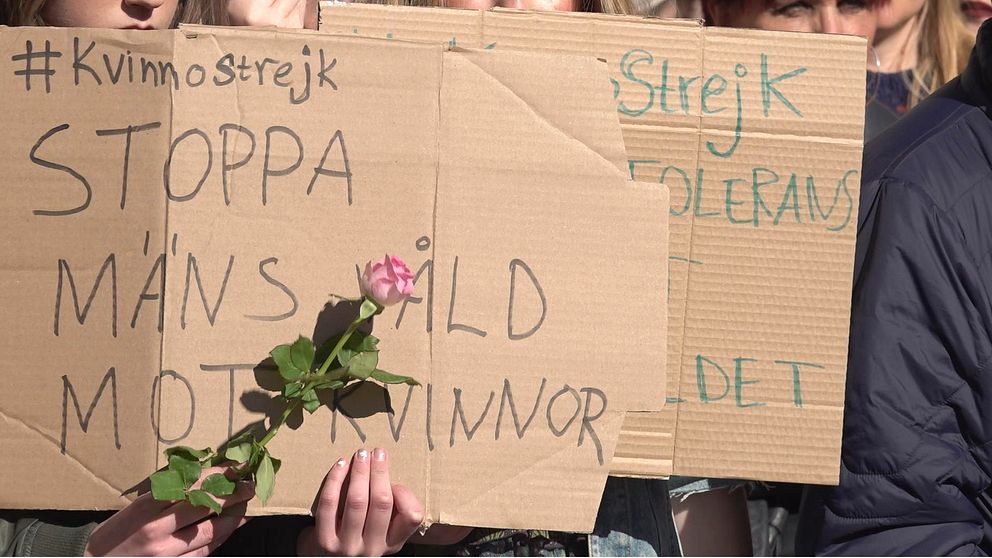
{"type": "Point", "coordinates": [387, 282]}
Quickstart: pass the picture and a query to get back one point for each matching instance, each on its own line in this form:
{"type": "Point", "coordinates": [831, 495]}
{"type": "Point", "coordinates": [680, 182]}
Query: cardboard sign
{"type": "Point", "coordinates": [178, 203]}
{"type": "Point", "coordinates": [759, 137]}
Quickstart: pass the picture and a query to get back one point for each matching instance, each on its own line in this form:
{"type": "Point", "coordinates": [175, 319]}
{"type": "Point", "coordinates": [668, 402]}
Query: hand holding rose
{"type": "Point", "coordinates": [305, 375]}
{"type": "Point", "coordinates": [148, 527]}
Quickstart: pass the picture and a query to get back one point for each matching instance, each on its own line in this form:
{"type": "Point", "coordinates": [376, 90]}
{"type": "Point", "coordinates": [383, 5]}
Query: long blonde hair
{"type": "Point", "coordinates": [28, 12]}
{"type": "Point", "coordinates": [944, 47]}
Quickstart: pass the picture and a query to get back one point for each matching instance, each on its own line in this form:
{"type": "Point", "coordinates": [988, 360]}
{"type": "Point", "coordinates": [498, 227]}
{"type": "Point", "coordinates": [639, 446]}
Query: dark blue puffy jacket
{"type": "Point", "coordinates": [916, 464]}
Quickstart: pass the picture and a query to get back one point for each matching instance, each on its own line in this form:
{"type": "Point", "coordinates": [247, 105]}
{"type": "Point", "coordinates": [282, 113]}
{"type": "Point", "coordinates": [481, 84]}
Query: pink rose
{"type": "Point", "coordinates": [387, 282]}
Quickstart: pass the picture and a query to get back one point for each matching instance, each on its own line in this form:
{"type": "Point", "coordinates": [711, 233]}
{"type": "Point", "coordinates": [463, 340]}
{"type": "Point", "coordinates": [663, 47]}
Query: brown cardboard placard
{"type": "Point", "coordinates": [759, 136]}
{"type": "Point", "coordinates": [178, 203]}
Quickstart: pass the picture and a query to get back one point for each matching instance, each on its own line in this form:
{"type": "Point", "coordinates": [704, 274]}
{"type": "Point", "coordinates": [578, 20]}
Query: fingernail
{"type": "Point", "coordinates": [341, 462]}
{"type": "Point", "coordinates": [379, 454]}
{"type": "Point", "coordinates": [363, 455]}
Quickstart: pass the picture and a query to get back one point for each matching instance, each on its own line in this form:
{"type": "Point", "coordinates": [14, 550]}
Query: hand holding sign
{"type": "Point", "coordinates": [359, 513]}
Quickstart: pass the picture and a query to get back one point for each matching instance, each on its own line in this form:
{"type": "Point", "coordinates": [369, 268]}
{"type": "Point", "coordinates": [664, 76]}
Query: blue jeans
{"type": "Point", "coordinates": [635, 515]}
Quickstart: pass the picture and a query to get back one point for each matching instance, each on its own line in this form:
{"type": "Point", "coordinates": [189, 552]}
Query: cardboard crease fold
{"type": "Point", "coordinates": [429, 495]}
{"type": "Point", "coordinates": [543, 119]}
{"type": "Point", "coordinates": [50, 440]}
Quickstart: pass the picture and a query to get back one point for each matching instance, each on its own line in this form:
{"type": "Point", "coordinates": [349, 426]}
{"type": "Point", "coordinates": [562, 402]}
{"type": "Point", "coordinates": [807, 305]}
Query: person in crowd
{"type": "Point", "coordinates": [359, 511]}
{"type": "Point", "coordinates": [919, 46]}
{"type": "Point", "coordinates": [658, 8]}
{"type": "Point", "coordinates": [148, 14]}
{"type": "Point", "coordinates": [846, 17]}
{"type": "Point", "coordinates": [153, 14]}
{"type": "Point", "coordinates": [916, 45]}
{"type": "Point", "coordinates": [916, 467]}
{"type": "Point", "coordinates": [975, 13]}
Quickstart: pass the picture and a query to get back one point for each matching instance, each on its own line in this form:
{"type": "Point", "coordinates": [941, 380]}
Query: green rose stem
{"type": "Point", "coordinates": [282, 420]}
{"type": "Point", "coordinates": [337, 348]}
{"type": "Point", "coordinates": [369, 308]}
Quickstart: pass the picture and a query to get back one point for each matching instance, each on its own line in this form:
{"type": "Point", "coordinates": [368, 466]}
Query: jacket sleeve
{"type": "Point", "coordinates": [918, 403]}
{"type": "Point", "coordinates": [34, 537]}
